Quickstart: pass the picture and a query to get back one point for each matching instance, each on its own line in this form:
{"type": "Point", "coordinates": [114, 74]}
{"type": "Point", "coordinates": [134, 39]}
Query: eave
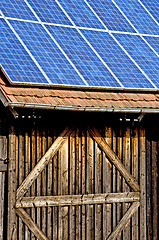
{"type": "Point", "coordinates": [85, 100]}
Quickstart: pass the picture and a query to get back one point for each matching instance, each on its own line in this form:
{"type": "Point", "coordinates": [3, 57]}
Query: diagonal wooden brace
{"type": "Point", "coordinates": [31, 224]}
{"type": "Point", "coordinates": [123, 221]}
{"type": "Point", "coordinates": [42, 163]}
{"type": "Point", "coordinates": [114, 159]}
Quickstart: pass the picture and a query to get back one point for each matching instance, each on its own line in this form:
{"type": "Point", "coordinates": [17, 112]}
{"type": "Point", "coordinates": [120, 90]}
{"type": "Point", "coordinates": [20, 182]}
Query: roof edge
{"type": "Point", "coordinates": [73, 87]}
{"type": "Point", "coordinates": [82, 109]}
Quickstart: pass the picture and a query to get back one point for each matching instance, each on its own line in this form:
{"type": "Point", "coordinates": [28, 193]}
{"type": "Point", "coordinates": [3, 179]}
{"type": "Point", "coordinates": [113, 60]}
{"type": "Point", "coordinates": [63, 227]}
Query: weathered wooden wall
{"type": "Point", "coordinates": [3, 174]}
{"type": "Point", "coordinates": [81, 167]}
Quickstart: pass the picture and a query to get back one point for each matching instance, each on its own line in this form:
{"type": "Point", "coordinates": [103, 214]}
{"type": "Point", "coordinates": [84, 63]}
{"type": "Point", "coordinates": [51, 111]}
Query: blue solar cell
{"type": "Point", "coordinates": [83, 57]}
{"type": "Point", "coordinates": [80, 13]}
{"type": "Point", "coordinates": [110, 15]}
{"type": "Point", "coordinates": [121, 65]}
{"type": "Point", "coordinates": [154, 42]}
{"type": "Point", "coordinates": [20, 67]}
{"type": "Point", "coordinates": [153, 7]}
{"type": "Point", "coordinates": [138, 16]}
{"type": "Point", "coordinates": [15, 60]}
{"type": "Point", "coordinates": [47, 54]}
{"type": "Point", "coordinates": [142, 54]}
{"type": "Point", "coordinates": [16, 9]}
{"type": "Point", "coordinates": [49, 11]}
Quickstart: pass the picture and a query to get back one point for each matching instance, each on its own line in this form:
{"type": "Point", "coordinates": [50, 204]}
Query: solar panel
{"type": "Point", "coordinates": [15, 60]}
{"type": "Point", "coordinates": [80, 13]}
{"type": "Point", "coordinates": [47, 54]}
{"type": "Point", "coordinates": [16, 9]}
{"type": "Point", "coordinates": [142, 54]}
{"type": "Point", "coordinates": [49, 11]}
{"type": "Point", "coordinates": [83, 57]}
{"type": "Point", "coordinates": [121, 65]}
{"type": "Point", "coordinates": [110, 15]}
{"type": "Point", "coordinates": [154, 42]}
{"type": "Point", "coordinates": [152, 7]}
{"type": "Point", "coordinates": [95, 43]}
{"type": "Point", "coordinates": [138, 16]}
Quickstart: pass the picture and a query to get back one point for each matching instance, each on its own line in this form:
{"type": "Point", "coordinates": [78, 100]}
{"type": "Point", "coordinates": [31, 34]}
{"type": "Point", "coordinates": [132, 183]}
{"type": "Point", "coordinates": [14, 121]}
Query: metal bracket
{"type": "Point", "coordinates": [14, 112]}
{"type": "Point", "coordinates": [141, 116]}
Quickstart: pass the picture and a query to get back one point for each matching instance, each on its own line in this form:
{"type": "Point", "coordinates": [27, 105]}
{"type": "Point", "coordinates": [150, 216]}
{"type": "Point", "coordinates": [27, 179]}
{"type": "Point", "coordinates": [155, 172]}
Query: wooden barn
{"type": "Point", "coordinates": [79, 114]}
{"type": "Point", "coordinates": [76, 165]}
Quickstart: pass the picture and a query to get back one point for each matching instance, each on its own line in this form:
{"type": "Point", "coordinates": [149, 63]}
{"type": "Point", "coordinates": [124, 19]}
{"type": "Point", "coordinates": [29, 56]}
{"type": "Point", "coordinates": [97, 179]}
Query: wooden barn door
{"type": "Point", "coordinates": [77, 185]}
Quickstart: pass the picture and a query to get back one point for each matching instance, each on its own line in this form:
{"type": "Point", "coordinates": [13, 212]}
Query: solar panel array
{"type": "Point", "coordinates": [91, 43]}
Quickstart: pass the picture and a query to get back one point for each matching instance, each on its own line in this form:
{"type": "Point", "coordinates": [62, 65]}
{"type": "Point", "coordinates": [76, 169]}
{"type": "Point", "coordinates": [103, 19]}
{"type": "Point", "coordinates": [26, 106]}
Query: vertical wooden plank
{"type": "Point", "coordinates": [98, 208]}
{"type": "Point", "coordinates": [64, 186]}
{"type": "Point", "coordinates": [38, 181]}
{"type": "Point", "coordinates": [107, 184]}
{"type": "Point", "coordinates": [17, 175]}
{"type": "Point", "coordinates": [78, 184]}
{"type": "Point", "coordinates": [80, 180]}
{"type": "Point", "coordinates": [89, 188]}
{"type": "Point", "coordinates": [56, 187]}
{"type": "Point", "coordinates": [59, 226]}
{"type": "Point", "coordinates": [2, 185]}
{"type": "Point", "coordinates": [43, 183]}
{"type": "Point", "coordinates": [49, 192]}
{"type": "Point", "coordinates": [12, 185]}
{"type": "Point", "coordinates": [135, 173]}
{"type": "Point", "coordinates": [142, 184]}
{"type": "Point", "coordinates": [114, 179]}
{"type": "Point", "coordinates": [155, 189]}
{"type": "Point", "coordinates": [72, 188]}
{"type": "Point", "coordinates": [27, 170]}
{"type": "Point", "coordinates": [119, 178]}
{"type": "Point", "coordinates": [3, 157]}
{"type": "Point", "coordinates": [149, 196]}
{"type": "Point", "coordinates": [21, 175]}
{"type": "Point", "coordinates": [33, 163]}
{"type": "Point", "coordinates": [83, 149]}
{"type": "Point", "coordinates": [126, 162]}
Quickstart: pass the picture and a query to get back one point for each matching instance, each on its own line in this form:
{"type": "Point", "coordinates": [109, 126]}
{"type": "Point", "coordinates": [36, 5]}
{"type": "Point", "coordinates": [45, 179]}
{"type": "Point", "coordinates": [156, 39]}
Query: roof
{"type": "Point", "coordinates": [77, 99]}
{"type": "Point", "coordinates": [91, 43]}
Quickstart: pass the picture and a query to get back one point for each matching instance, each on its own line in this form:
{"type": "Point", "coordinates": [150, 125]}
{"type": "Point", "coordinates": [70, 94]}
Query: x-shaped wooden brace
{"type": "Point", "coordinates": [73, 199]}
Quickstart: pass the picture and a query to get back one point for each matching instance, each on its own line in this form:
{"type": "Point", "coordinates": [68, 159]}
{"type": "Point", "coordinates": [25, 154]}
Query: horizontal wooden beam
{"type": "Point", "coordinates": [42, 163]}
{"type": "Point", "coordinates": [31, 224]}
{"type": "Point", "coordinates": [66, 200]}
{"type": "Point", "coordinates": [113, 158]}
{"type": "Point", "coordinates": [124, 221]}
